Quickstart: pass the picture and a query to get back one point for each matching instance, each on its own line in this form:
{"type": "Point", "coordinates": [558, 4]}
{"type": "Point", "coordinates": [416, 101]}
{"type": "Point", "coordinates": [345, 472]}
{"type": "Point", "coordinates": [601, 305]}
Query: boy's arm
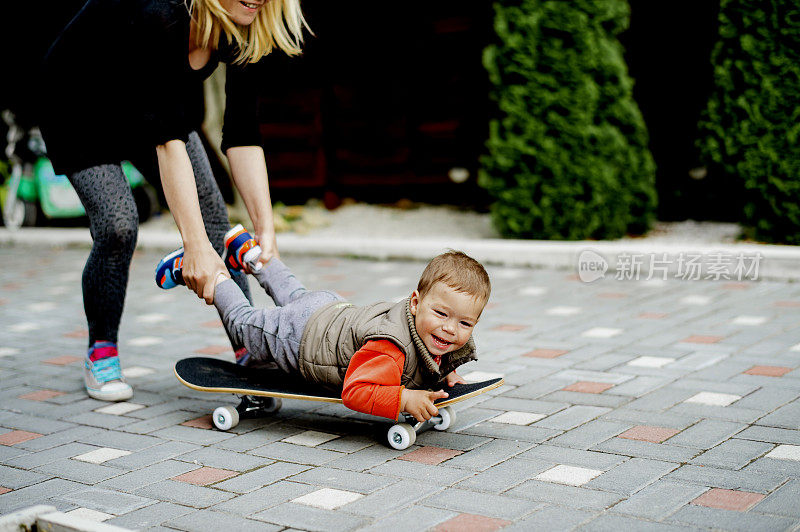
{"type": "Point", "coordinates": [372, 382]}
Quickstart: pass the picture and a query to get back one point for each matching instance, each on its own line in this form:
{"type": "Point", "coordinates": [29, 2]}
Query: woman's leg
{"type": "Point", "coordinates": [113, 223]}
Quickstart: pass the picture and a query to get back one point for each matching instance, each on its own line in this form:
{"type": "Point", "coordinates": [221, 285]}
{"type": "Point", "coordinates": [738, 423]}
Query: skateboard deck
{"type": "Point", "coordinates": [263, 389]}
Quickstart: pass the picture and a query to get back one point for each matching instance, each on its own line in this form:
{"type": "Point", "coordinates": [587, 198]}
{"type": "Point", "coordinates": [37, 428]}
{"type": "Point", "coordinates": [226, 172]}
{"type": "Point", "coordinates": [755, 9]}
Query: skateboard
{"type": "Point", "coordinates": [261, 391]}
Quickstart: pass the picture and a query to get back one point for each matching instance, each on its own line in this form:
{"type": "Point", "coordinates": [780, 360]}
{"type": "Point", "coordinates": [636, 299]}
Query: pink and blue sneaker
{"type": "Point", "coordinates": [102, 374]}
{"type": "Point", "coordinates": [240, 249]}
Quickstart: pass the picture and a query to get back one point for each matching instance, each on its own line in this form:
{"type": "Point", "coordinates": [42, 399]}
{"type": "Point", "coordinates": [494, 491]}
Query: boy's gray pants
{"type": "Point", "coordinates": [271, 334]}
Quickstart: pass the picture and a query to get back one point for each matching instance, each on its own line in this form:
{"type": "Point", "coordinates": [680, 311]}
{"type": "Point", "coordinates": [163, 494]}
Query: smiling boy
{"type": "Point", "coordinates": [384, 358]}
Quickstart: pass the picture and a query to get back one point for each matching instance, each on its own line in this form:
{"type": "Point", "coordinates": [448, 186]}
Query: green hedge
{"type": "Point", "coordinates": [567, 151]}
{"type": "Point", "coordinates": [752, 123]}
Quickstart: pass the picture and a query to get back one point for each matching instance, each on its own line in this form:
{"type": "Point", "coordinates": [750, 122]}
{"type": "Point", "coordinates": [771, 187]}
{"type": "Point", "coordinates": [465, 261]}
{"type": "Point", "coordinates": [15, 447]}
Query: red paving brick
{"type": "Point", "coordinates": [723, 499]}
{"type": "Point", "coordinates": [652, 315]}
{"type": "Point", "coordinates": [77, 333]}
{"type": "Point", "coordinates": [430, 455]}
{"type": "Point", "coordinates": [768, 371]}
{"type": "Point", "coordinates": [471, 523]}
{"type": "Point", "coordinates": [545, 353]}
{"type": "Point", "coordinates": [205, 476]}
{"type": "Point", "coordinates": [510, 327]}
{"type": "Point", "coordinates": [326, 263]}
{"type": "Point", "coordinates": [787, 304]}
{"type": "Point", "coordinates": [214, 350]}
{"type": "Point", "coordinates": [648, 433]}
{"type": "Point", "coordinates": [4, 490]}
{"type": "Point", "coordinates": [588, 387]}
{"type": "Point", "coordinates": [735, 286]}
{"type": "Point", "coordinates": [41, 395]}
{"type": "Point", "coordinates": [332, 277]}
{"type": "Point", "coordinates": [345, 293]}
{"type": "Point", "coordinates": [3, 301]}
{"type": "Point", "coordinates": [211, 324]}
{"type": "Point", "coordinates": [612, 295]}
{"type": "Point", "coordinates": [204, 422]}
{"type": "Point", "coordinates": [17, 436]}
{"type": "Point", "coordinates": [699, 339]}
{"type": "Point", "coordinates": [63, 360]}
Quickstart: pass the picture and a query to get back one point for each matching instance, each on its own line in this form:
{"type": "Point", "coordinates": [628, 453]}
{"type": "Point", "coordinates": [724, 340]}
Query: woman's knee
{"type": "Point", "coordinates": [118, 231]}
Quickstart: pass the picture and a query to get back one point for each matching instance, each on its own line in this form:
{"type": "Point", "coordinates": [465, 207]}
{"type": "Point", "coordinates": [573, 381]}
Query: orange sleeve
{"type": "Point", "coordinates": [372, 382]}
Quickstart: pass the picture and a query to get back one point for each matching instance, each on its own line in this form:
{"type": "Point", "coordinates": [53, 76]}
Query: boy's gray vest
{"type": "Point", "coordinates": [335, 332]}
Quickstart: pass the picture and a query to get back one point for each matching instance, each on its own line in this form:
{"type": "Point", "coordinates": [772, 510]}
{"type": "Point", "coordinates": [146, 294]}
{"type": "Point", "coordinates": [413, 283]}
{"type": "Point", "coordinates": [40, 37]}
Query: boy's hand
{"type": "Point", "coordinates": [419, 403]}
{"type": "Point", "coordinates": [454, 378]}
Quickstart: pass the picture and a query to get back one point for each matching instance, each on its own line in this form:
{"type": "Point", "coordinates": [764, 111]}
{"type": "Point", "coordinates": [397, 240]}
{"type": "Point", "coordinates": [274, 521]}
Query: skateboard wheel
{"type": "Point", "coordinates": [402, 436]}
{"type": "Point", "coordinates": [225, 417]}
{"type": "Point", "coordinates": [448, 416]}
{"type": "Point", "coordinates": [273, 405]}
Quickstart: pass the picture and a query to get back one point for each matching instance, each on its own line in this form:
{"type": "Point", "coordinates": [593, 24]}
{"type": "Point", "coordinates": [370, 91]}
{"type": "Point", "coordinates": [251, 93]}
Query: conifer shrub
{"type": "Point", "coordinates": [567, 153]}
{"type": "Point", "coordinates": [751, 127]}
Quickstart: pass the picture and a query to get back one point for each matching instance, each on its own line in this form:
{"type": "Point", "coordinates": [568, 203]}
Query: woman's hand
{"type": "Point", "coordinates": [269, 247]}
{"type": "Point", "coordinates": [419, 403]}
{"type": "Point", "coordinates": [201, 266]}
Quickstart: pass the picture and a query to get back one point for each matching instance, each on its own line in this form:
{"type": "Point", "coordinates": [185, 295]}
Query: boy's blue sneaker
{"type": "Point", "coordinates": [102, 374]}
{"type": "Point", "coordinates": [168, 271]}
{"type": "Point", "coordinates": [240, 249]}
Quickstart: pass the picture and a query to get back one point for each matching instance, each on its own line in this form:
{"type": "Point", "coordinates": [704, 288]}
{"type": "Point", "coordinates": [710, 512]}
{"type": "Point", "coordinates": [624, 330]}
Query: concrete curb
{"type": "Point", "coordinates": [43, 518]}
{"type": "Point", "coordinates": [774, 261]}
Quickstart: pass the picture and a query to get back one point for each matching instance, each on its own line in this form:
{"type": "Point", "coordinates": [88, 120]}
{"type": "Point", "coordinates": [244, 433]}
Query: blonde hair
{"type": "Point", "coordinates": [279, 23]}
{"type": "Point", "coordinates": [460, 272]}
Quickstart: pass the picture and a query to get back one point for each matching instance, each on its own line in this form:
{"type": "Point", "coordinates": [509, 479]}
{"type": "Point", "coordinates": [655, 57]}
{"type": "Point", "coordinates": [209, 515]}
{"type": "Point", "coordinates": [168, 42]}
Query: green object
{"type": "Point", "coordinates": [56, 196]}
{"type": "Point", "coordinates": [567, 151]}
{"type": "Point", "coordinates": [752, 123]}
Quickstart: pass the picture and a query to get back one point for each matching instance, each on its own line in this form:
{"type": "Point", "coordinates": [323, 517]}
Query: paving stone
{"type": "Point", "coordinates": [785, 452]}
{"type": "Point", "coordinates": [153, 455]}
{"type": "Point", "coordinates": [782, 501]}
{"type": "Point", "coordinates": [489, 454]}
{"type": "Point", "coordinates": [411, 518]}
{"type": "Point", "coordinates": [157, 472]}
{"type": "Point", "coordinates": [204, 476]}
{"type": "Point", "coordinates": [260, 477]}
{"type": "Point", "coordinates": [13, 478]}
{"type": "Point", "coordinates": [89, 515]}
{"type": "Point", "coordinates": [550, 517]}
{"type": "Point", "coordinates": [662, 419]}
{"type": "Point", "coordinates": [713, 399]}
{"type": "Point", "coordinates": [572, 417]}
{"type": "Point", "coordinates": [440, 475]}
{"type": "Point", "coordinates": [17, 436]}
{"type": "Point", "coordinates": [732, 454]}
{"type": "Point", "coordinates": [364, 459]}
{"type": "Point", "coordinates": [327, 498]}
{"type": "Point", "coordinates": [43, 491]}
{"type": "Point", "coordinates": [578, 497]}
{"type": "Point", "coordinates": [726, 478]}
{"type": "Point", "coordinates": [569, 475]}
{"type": "Point", "coordinates": [631, 476]}
{"type": "Point", "coordinates": [451, 440]}
{"type": "Point", "coordinates": [477, 523]}
{"type": "Point", "coordinates": [299, 454]}
{"type": "Point", "coordinates": [728, 520]}
{"type": "Point", "coordinates": [103, 454]}
{"type": "Point", "coordinates": [263, 498]}
{"type": "Point", "coordinates": [310, 438]}
{"type": "Point", "coordinates": [399, 495]}
{"type": "Point", "coordinates": [787, 417]}
{"type": "Point", "coordinates": [510, 432]}
{"type": "Point", "coordinates": [108, 501]}
{"type": "Point", "coordinates": [659, 500]}
{"type": "Point", "coordinates": [524, 405]}
{"type": "Point", "coordinates": [79, 471]}
{"type": "Point", "coordinates": [199, 522]}
{"type": "Point", "coordinates": [648, 433]}
{"type": "Point", "coordinates": [589, 434]}
{"type": "Point", "coordinates": [517, 418]}
{"type": "Point", "coordinates": [183, 493]}
{"type": "Point", "coordinates": [192, 435]}
{"type": "Point", "coordinates": [486, 504]}
{"type": "Point", "coordinates": [735, 500]}
{"type": "Point", "coordinates": [305, 518]}
{"type": "Point", "coordinates": [32, 460]}
{"type": "Point", "coordinates": [575, 457]}
{"type": "Point", "coordinates": [770, 434]}
{"type": "Point", "coordinates": [613, 523]}
{"type": "Point", "coordinates": [340, 479]}
{"type": "Point", "coordinates": [219, 458]}
{"type": "Point", "coordinates": [150, 516]}
{"type": "Point", "coordinates": [706, 434]}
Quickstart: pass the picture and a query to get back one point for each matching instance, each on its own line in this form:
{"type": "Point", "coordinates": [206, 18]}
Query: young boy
{"type": "Point", "coordinates": [384, 358]}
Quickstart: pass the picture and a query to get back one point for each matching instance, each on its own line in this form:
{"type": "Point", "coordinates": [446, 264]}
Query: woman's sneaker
{"type": "Point", "coordinates": [168, 271]}
{"type": "Point", "coordinates": [102, 374]}
{"type": "Point", "coordinates": [240, 249]}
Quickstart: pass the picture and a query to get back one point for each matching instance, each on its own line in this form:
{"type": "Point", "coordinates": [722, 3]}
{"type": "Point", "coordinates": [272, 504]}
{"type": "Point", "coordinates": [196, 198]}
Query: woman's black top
{"type": "Point", "coordinates": [117, 83]}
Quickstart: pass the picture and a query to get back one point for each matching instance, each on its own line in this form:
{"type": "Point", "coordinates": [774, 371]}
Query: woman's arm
{"type": "Point", "coordinates": [201, 264]}
{"type": "Point", "coordinates": [249, 170]}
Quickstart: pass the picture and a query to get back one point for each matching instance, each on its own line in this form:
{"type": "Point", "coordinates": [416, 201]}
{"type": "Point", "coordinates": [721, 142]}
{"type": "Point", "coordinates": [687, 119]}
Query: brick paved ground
{"type": "Point", "coordinates": [640, 405]}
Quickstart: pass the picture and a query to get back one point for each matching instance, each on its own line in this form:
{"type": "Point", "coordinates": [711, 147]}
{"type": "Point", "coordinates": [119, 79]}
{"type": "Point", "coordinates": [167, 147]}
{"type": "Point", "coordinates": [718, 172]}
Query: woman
{"type": "Point", "coordinates": [125, 80]}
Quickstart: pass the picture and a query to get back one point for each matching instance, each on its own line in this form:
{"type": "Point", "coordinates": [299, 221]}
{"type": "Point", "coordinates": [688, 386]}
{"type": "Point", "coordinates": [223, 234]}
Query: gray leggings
{"type": "Point", "coordinates": [114, 224]}
{"type": "Point", "coordinates": [271, 334]}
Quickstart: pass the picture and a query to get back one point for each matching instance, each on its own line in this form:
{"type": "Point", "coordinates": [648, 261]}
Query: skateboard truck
{"type": "Point", "coordinates": [250, 407]}
{"type": "Point", "coordinates": [403, 435]}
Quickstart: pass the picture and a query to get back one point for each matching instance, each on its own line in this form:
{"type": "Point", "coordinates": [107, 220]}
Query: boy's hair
{"type": "Point", "coordinates": [460, 272]}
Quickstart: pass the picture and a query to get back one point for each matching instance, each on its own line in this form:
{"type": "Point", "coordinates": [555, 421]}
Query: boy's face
{"type": "Point", "coordinates": [445, 318]}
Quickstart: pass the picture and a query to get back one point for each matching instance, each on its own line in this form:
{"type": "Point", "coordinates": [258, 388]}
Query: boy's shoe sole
{"type": "Point", "coordinates": [241, 248]}
{"type": "Point", "coordinates": [165, 277]}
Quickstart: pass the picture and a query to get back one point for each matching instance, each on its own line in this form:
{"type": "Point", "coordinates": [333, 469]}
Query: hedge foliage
{"type": "Point", "coordinates": [752, 123]}
{"type": "Point", "coordinates": [567, 151]}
